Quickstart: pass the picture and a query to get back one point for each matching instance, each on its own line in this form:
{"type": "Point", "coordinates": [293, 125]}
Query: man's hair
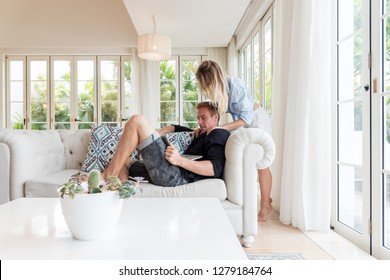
{"type": "Point", "coordinates": [213, 109]}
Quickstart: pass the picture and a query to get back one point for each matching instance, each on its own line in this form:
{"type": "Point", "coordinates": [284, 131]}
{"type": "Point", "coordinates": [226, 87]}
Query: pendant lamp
{"type": "Point", "coordinates": [154, 46]}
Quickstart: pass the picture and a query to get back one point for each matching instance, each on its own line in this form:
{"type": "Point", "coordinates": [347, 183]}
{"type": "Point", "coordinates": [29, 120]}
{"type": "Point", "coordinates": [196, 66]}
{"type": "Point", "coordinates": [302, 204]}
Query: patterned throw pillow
{"type": "Point", "coordinates": [102, 145]}
{"type": "Point", "coordinates": [181, 140]}
{"type": "Point", "coordinates": [104, 140]}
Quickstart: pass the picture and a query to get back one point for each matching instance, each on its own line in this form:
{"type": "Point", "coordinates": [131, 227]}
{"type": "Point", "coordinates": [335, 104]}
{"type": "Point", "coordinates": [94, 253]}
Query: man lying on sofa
{"type": "Point", "coordinates": [162, 164]}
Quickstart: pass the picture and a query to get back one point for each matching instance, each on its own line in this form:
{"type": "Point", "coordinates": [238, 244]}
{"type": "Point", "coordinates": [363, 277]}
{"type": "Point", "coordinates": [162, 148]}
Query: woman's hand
{"type": "Point", "coordinates": [198, 132]}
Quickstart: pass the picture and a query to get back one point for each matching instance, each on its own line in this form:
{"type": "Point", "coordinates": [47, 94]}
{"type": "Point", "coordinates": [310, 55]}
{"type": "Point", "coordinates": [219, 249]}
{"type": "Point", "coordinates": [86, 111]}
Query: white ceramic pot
{"type": "Point", "coordinates": [92, 216]}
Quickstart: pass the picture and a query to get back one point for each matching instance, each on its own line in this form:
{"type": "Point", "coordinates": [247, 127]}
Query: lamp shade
{"type": "Point", "coordinates": [154, 46]}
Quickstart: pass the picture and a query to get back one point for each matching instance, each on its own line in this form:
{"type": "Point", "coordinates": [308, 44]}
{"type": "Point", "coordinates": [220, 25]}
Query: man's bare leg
{"type": "Point", "coordinates": [136, 130]}
{"type": "Point", "coordinates": [265, 180]}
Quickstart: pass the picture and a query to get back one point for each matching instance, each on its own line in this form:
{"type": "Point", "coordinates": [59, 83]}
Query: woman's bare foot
{"type": "Point", "coordinates": [264, 212]}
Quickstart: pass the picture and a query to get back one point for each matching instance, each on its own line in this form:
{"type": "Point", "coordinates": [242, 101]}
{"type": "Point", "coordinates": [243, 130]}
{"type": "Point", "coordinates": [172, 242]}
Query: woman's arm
{"type": "Point", "coordinates": [234, 125]}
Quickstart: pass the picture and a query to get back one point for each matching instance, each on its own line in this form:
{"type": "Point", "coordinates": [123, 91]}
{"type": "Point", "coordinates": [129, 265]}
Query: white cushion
{"type": "Point", "coordinates": [32, 153]}
{"type": "Point", "coordinates": [234, 213]}
{"type": "Point", "coordinates": [202, 188]}
{"type": "Point", "coordinates": [75, 146]}
{"type": "Point", "coordinates": [46, 186]}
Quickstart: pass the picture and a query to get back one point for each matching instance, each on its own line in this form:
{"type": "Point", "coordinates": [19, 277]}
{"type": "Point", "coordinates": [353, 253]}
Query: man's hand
{"type": "Point", "coordinates": [172, 155]}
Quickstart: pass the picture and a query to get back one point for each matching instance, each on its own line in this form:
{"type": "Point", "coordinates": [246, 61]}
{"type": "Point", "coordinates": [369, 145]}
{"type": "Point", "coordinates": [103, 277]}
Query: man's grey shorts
{"type": "Point", "coordinates": [154, 167]}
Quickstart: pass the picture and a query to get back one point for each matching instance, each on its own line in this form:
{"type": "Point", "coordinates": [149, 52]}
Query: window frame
{"type": "Point", "coordinates": [30, 59]}
{"type": "Point", "coordinates": [182, 82]}
{"type": "Point", "coordinates": [259, 31]}
{"type": "Point", "coordinates": [8, 118]}
{"type": "Point", "coordinates": [53, 59]}
{"type": "Point", "coordinates": [123, 116]}
{"type": "Point", "coordinates": [50, 86]}
{"type": "Point", "coordinates": [75, 112]}
{"type": "Point", "coordinates": [264, 21]}
{"type": "Point", "coordinates": [179, 83]}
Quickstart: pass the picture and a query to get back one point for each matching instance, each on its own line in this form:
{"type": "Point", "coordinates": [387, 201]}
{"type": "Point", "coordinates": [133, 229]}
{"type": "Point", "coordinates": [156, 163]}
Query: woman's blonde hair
{"type": "Point", "coordinates": [212, 83]}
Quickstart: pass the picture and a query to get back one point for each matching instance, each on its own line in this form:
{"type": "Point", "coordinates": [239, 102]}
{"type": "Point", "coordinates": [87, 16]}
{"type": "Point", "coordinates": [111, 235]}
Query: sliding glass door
{"type": "Point", "coordinates": [381, 129]}
{"type": "Point", "coordinates": [352, 217]}
{"type": "Point", "coordinates": [362, 195]}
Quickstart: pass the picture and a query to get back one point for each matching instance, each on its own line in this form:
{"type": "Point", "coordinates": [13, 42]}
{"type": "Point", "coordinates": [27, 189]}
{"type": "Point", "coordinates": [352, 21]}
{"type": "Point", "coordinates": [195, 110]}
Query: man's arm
{"type": "Point", "coordinates": [214, 161]}
{"type": "Point", "coordinates": [204, 167]}
{"type": "Point", "coordinates": [172, 128]}
{"type": "Point", "coordinates": [166, 129]}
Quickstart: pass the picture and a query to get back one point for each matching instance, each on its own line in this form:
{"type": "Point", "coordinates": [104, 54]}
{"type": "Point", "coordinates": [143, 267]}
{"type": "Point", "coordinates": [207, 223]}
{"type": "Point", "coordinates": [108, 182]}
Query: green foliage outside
{"type": "Point", "coordinates": [39, 104]}
{"type": "Point", "coordinates": [168, 91]}
{"type": "Point", "coordinates": [62, 100]}
{"type": "Point", "coordinates": [190, 93]}
{"type": "Point", "coordinates": [17, 121]}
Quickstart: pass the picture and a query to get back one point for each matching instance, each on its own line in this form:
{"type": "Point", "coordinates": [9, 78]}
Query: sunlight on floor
{"type": "Point", "coordinates": [275, 237]}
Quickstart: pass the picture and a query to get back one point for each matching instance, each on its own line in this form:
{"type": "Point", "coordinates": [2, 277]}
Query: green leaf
{"type": "Point", "coordinates": [96, 190]}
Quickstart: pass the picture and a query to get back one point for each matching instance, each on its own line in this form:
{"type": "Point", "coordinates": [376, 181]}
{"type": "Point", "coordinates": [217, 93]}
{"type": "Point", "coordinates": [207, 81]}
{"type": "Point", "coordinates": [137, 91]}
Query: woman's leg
{"type": "Point", "coordinates": [265, 180]}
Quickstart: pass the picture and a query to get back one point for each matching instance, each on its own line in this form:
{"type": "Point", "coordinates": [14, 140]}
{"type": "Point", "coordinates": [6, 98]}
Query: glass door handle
{"type": "Point", "coordinates": [366, 87]}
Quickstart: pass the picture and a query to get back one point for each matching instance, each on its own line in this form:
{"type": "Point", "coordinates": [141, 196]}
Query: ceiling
{"type": "Point", "coordinates": [117, 23]}
{"type": "Point", "coordinates": [189, 23]}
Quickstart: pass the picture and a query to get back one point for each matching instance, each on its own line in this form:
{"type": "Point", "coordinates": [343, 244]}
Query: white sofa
{"type": "Point", "coordinates": [35, 163]}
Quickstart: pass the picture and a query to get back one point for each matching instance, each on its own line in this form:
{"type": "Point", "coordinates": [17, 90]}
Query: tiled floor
{"type": "Point", "coordinates": [275, 237]}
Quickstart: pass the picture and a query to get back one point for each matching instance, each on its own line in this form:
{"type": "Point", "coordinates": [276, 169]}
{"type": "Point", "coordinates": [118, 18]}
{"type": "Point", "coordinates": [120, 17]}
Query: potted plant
{"type": "Point", "coordinates": [91, 208]}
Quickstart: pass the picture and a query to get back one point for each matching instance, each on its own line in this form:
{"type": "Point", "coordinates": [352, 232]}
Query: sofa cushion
{"type": "Point", "coordinates": [202, 188]}
{"type": "Point", "coordinates": [75, 146]}
{"type": "Point", "coordinates": [46, 186]}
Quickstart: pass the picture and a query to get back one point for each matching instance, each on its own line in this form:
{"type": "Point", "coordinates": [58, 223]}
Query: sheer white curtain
{"type": "Point", "coordinates": [232, 58]}
{"type": "Point", "coordinates": [135, 97]}
{"type": "Point", "coordinates": [301, 112]}
{"type": "Point", "coordinates": [220, 55]}
{"type": "Point", "coordinates": [146, 88]}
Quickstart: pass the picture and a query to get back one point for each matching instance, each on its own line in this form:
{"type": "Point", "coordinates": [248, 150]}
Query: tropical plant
{"type": "Point", "coordinates": [167, 91]}
{"type": "Point", "coordinates": [190, 94]}
{"type": "Point", "coordinates": [17, 121]}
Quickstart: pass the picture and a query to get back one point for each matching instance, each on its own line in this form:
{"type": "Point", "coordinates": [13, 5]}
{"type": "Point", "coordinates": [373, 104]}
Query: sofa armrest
{"type": "Point", "coordinates": [31, 154]}
{"type": "Point", "coordinates": [4, 173]}
{"type": "Point", "coordinates": [246, 151]}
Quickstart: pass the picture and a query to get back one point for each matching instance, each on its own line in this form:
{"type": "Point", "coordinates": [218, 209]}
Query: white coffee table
{"type": "Point", "coordinates": [149, 228]}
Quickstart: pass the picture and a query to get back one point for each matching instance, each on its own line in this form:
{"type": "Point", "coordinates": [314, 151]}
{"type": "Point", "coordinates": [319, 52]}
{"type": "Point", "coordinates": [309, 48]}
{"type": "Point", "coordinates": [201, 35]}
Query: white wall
{"type": "Point", "coordinates": [65, 24]}
{"type": "Point", "coordinates": [252, 16]}
{"type": "Point", "coordinates": [2, 91]}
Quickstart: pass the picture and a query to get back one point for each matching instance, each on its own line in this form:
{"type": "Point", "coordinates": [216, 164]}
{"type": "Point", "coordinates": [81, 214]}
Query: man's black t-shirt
{"type": "Point", "coordinates": [211, 147]}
